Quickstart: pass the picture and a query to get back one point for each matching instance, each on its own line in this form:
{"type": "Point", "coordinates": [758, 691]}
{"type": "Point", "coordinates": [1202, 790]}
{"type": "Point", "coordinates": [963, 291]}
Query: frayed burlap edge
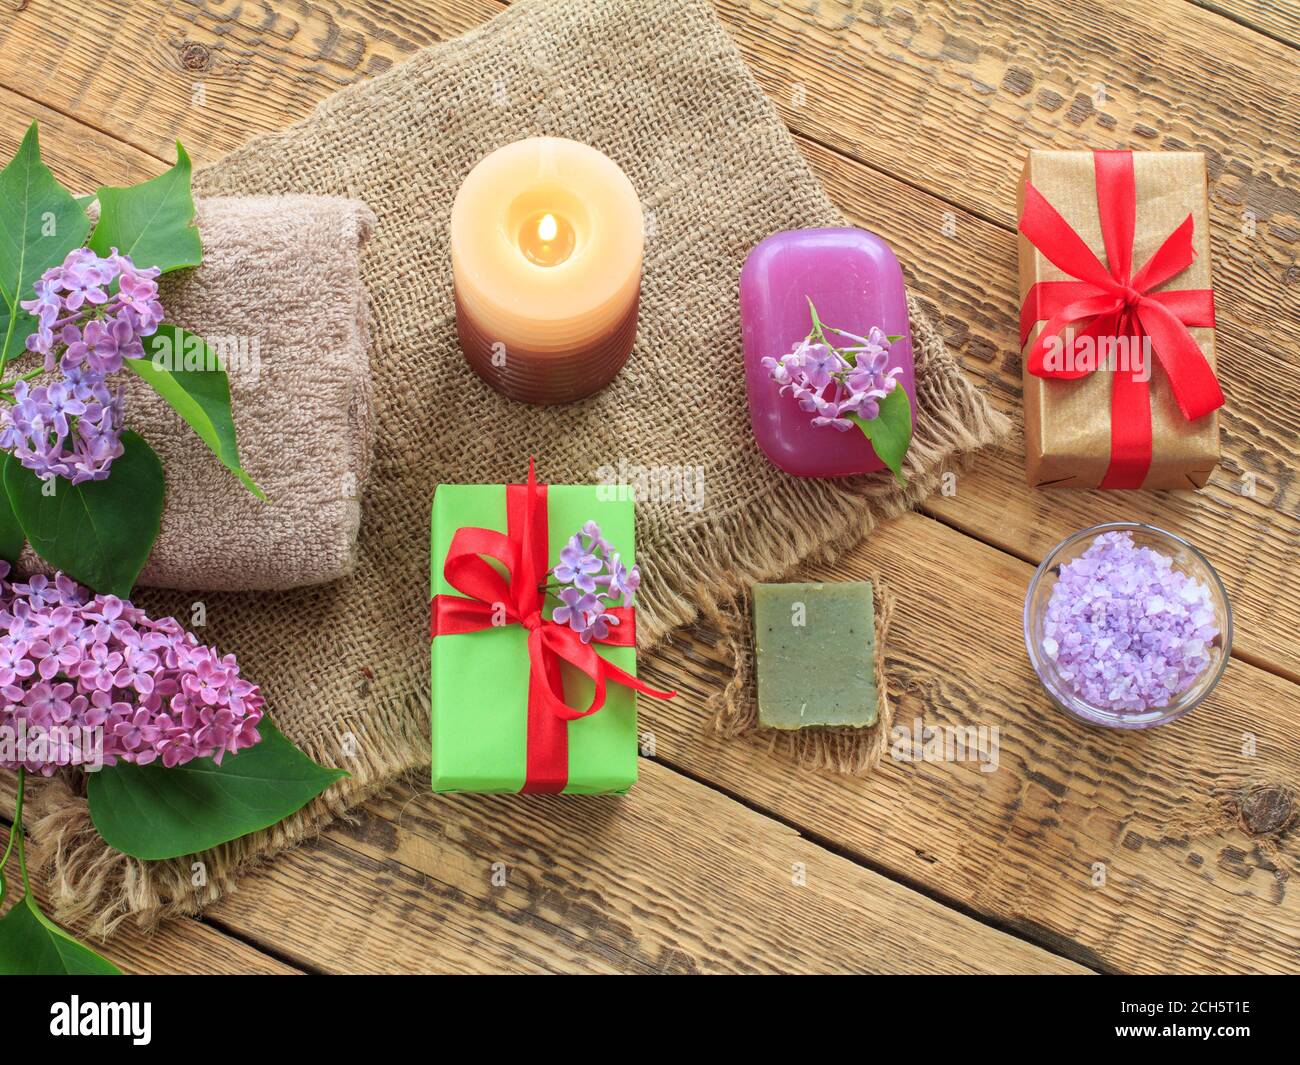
{"type": "Point", "coordinates": [855, 751]}
{"type": "Point", "coordinates": [96, 888]}
{"type": "Point", "coordinates": [953, 421]}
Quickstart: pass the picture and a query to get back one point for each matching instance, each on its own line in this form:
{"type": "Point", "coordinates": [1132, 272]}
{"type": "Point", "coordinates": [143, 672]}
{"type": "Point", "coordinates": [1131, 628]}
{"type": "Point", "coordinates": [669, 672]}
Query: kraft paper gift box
{"type": "Point", "coordinates": [1088, 429]}
{"type": "Point", "coordinates": [489, 732]}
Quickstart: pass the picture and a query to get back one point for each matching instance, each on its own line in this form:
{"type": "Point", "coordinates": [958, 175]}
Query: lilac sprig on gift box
{"type": "Point", "coordinates": [589, 579]}
{"type": "Point", "coordinates": [836, 384]}
{"type": "Point", "coordinates": [72, 661]}
{"type": "Point", "coordinates": [1125, 628]}
{"type": "Point", "coordinates": [72, 427]}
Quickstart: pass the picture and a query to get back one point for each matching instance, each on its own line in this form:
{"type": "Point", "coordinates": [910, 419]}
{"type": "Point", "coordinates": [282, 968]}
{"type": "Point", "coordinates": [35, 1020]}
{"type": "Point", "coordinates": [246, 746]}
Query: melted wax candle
{"type": "Point", "coordinates": [546, 246]}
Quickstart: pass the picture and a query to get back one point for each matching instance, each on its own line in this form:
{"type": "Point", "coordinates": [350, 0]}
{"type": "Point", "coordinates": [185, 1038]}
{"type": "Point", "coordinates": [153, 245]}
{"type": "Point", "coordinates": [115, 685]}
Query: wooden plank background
{"type": "Point", "coordinates": [916, 115]}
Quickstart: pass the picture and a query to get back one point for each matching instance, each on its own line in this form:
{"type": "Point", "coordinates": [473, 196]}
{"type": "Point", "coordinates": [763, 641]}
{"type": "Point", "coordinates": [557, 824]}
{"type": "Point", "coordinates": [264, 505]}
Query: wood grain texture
{"type": "Point", "coordinates": [1197, 876]}
{"type": "Point", "coordinates": [675, 877]}
{"type": "Point", "coordinates": [916, 119]}
{"type": "Point", "coordinates": [964, 271]}
{"type": "Point", "coordinates": [176, 948]}
{"type": "Point", "coordinates": [216, 72]}
{"type": "Point", "coordinates": [81, 157]}
{"type": "Point", "coordinates": [1279, 19]}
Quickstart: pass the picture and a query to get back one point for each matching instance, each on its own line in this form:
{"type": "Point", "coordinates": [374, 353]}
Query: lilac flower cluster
{"type": "Point", "coordinates": [832, 383]}
{"type": "Point", "coordinates": [1127, 630]}
{"type": "Point", "coordinates": [591, 578]}
{"type": "Point", "coordinates": [71, 661]}
{"type": "Point", "coordinates": [72, 427]}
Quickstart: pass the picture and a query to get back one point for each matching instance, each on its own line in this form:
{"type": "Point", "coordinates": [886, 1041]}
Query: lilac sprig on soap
{"type": "Point", "coordinates": [843, 387]}
{"type": "Point", "coordinates": [837, 385]}
{"type": "Point", "coordinates": [1126, 629]}
{"type": "Point", "coordinates": [830, 302]}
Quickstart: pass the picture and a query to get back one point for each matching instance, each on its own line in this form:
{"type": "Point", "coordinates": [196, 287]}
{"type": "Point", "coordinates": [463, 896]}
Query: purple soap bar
{"type": "Point", "coordinates": [855, 282]}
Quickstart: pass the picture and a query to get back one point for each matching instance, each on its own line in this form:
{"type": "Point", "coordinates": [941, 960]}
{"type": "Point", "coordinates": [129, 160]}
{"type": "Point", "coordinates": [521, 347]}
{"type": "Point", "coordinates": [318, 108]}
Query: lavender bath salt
{"type": "Point", "coordinates": [1127, 630]}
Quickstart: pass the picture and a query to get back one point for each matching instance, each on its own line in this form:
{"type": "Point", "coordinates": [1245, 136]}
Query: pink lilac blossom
{"type": "Point", "coordinates": [591, 578]}
{"type": "Point", "coordinates": [1126, 630]}
{"type": "Point", "coordinates": [149, 688]}
{"type": "Point", "coordinates": [72, 427]}
{"type": "Point", "coordinates": [834, 383]}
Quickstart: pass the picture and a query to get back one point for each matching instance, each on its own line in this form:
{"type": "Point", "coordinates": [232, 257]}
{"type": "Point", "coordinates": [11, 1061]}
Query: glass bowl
{"type": "Point", "coordinates": [1187, 559]}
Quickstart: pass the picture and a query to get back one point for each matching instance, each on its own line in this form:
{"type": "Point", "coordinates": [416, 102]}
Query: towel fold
{"type": "Point", "coordinates": [279, 298]}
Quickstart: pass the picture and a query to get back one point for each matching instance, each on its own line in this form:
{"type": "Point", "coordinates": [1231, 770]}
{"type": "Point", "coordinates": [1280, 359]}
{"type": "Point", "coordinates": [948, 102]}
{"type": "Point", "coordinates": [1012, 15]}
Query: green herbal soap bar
{"type": "Point", "coordinates": [815, 646]}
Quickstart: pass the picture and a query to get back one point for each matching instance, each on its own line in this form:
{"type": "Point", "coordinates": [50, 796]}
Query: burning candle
{"type": "Point", "coordinates": [546, 245]}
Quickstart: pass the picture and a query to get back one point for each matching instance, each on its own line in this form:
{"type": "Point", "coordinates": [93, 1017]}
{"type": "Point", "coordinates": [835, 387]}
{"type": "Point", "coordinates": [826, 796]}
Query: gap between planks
{"type": "Point", "coordinates": [1244, 21]}
{"type": "Point", "coordinates": [1051, 942]}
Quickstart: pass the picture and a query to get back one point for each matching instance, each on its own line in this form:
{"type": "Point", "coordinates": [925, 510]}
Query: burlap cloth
{"type": "Point", "coordinates": [832, 748]}
{"type": "Point", "coordinates": [659, 87]}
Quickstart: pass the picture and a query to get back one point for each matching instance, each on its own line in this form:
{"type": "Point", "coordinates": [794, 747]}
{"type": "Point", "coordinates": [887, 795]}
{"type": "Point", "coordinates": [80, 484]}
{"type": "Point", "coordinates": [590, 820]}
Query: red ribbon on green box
{"type": "Point", "coordinates": [511, 593]}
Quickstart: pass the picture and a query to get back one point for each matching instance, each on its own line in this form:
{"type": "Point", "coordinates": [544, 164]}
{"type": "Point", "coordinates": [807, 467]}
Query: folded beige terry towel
{"type": "Point", "coordinates": [279, 298]}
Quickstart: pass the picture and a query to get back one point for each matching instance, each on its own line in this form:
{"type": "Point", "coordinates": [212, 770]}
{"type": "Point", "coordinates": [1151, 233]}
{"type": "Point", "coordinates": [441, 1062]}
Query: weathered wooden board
{"type": "Point", "coordinates": [1279, 19]}
{"type": "Point", "coordinates": [916, 121]}
{"type": "Point", "coordinates": [675, 877]}
{"type": "Point", "coordinates": [1195, 823]}
{"type": "Point", "coordinates": [212, 74]}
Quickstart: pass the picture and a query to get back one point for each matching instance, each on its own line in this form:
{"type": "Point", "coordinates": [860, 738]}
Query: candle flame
{"type": "Point", "coordinates": [547, 228]}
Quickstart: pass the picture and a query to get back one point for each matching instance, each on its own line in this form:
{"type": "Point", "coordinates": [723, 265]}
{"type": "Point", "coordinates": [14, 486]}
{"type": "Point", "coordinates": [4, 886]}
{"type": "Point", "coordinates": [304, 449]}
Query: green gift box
{"type": "Point", "coordinates": [487, 712]}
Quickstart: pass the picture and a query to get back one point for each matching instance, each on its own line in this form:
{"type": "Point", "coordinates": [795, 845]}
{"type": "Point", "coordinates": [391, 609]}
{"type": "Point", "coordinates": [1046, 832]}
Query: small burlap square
{"type": "Point", "coordinates": [659, 86]}
{"type": "Point", "coordinates": [828, 748]}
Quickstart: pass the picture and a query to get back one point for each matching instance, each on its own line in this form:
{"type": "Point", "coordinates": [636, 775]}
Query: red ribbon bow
{"type": "Point", "coordinates": [517, 599]}
{"type": "Point", "coordinates": [1115, 304]}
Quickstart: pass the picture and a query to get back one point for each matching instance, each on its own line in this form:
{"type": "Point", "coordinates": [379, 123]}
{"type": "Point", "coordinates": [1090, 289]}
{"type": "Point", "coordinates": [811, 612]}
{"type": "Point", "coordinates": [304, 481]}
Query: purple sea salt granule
{"type": "Point", "coordinates": [1125, 629]}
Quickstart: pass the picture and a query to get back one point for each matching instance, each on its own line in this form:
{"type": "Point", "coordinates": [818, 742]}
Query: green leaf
{"type": "Point", "coordinates": [817, 326]}
{"type": "Point", "coordinates": [12, 536]}
{"type": "Point", "coordinates": [150, 812]}
{"type": "Point", "coordinates": [33, 945]}
{"type": "Point", "coordinates": [890, 432]}
{"type": "Point", "coordinates": [4, 857]}
{"type": "Point", "coordinates": [152, 222]}
{"type": "Point", "coordinates": [100, 532]}
{"type": "Point", "coordinates": [40, 223]}
{"type": "Point", "coordinates": [200, 395]}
